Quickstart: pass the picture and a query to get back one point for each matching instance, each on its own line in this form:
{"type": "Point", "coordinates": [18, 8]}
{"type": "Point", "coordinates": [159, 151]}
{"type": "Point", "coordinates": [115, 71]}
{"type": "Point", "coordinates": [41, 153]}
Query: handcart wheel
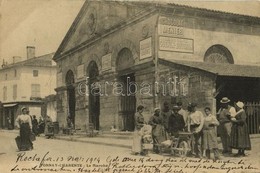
{"type": "Point", "coordinates": [184, 148]}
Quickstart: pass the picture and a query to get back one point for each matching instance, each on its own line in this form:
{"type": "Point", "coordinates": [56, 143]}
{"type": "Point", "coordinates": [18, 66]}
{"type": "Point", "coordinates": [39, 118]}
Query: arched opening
{"type": "Point", "coordinates": [127, 100]}
{"type": "Point", "coordinates": [218, 54]}
{"type": "Point", "coordinates": [94, 97]}
{"type": "Point", "coordinates": [71, 95]}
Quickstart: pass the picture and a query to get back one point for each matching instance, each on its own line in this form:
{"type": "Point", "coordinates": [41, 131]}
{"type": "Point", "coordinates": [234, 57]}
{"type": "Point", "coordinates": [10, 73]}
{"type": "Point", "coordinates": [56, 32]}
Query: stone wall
{"type": "Point", "coordinates": [200, 86]}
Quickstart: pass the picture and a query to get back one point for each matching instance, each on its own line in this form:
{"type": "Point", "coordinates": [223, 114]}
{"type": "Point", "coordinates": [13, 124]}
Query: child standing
{"type": "Point", "coordinates": [210, 143]}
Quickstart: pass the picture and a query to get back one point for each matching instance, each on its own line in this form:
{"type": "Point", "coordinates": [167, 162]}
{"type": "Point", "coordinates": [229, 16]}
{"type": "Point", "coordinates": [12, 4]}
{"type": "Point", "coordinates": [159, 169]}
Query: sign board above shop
{"type": "Point", "coordinates": [172, 27]}
{"type": "Point", "coordinates": [174, 36]}
{"type": "Point", "coordinates": [176, 44]}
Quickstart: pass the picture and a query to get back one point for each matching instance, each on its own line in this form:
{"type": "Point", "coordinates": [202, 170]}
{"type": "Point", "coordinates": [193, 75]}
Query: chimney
{"type": "Point", "coordinates": [30, 52]}
{"type": "Point", "coordinates": [16, 59]}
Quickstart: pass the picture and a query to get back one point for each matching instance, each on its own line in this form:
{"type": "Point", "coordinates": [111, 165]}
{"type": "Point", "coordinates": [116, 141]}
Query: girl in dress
{"type": "Point", "coordinates": [210, 143]}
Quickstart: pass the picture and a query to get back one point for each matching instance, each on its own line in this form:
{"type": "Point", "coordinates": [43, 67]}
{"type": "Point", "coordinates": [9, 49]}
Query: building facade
{"type": "Point", "coordinates": [26, 83]}
{"type": "Point", "coordinates": [118, 55]}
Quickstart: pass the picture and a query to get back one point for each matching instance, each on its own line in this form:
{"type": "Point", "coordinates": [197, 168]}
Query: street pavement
{"type": "Point", "coordinates": [79, 153]}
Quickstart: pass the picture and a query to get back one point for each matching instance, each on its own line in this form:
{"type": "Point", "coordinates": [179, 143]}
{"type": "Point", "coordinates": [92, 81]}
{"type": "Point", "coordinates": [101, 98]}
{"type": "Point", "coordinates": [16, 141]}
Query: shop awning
{"type": "Point", "coordinates": [9, 105]}
{"type": "Point", "coordinates": [218, 69]}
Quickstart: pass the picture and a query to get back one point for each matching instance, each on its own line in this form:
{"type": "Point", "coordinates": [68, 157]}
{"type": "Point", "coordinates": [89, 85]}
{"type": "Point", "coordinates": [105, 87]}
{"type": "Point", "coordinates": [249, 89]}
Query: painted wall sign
{"type": "Point", "coordinates": [171, 27]}
{"type": "Point", "coordinates": [106, 62]}
{"type": "Point", "coordinates": [146, 48]}
{"type": "Point", "coordinates": [176, 44]}
{"type": "Point", "coordinates": [80, 71]}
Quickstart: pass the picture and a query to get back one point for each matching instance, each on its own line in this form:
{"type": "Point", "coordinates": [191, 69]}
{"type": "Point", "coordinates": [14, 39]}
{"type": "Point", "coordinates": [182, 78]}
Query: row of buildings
{"type": "Point", "coordinates": [121, 54]}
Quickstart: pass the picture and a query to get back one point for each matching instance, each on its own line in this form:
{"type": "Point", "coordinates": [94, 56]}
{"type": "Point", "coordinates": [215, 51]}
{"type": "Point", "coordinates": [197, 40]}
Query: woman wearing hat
{"type": "Point", "coordinates": [158, 131]}
{"type": "Point", "coordinates": [240, 139]}
{"type": "Point", "coordinates": [24, 122]}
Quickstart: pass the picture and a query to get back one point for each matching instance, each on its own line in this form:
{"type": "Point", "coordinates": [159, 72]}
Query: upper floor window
{"type": "Point", "coordinates": [14, 92]}
{"type": "Point", "coordinates": [35, 73]}
{"type": "Point", "coordinates": [15, 72]}
{"type": "Point", "coordinates": [36, 90]}
{"type": "Point", "coordinates": [6, 76]}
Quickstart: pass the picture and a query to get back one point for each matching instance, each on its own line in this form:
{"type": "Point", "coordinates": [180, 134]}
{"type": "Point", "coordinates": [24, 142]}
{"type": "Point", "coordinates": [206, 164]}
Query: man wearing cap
{"type": "Point", "coordinates": [176, 122]}
{"type": "Point", "coordinates": [225, 113]}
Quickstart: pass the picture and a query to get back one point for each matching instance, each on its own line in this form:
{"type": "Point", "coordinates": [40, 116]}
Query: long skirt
{"type": "Point", "coordinates": [159, 134]}
{"type": "Point", "coordinates": [137, 142]}
{"type": "Point", "coordinates": [25, 132]}
{"type": "Point", "coordinates": [210, 139]}
{"type": "Point", "coordinates": [240, 137]}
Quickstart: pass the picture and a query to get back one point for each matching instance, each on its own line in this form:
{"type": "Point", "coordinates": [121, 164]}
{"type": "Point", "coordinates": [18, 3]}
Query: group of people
{"type": "Point", "coordinates": [29, 126]}
{"type": "Point", "coordinates": [168, 122]}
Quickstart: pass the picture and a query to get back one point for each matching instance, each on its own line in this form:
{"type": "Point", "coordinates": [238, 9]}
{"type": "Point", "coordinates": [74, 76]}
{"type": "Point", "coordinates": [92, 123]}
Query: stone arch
{"type": "Point", "coordinates": [124, 59]}
{"type": "Point", "coordinates": [218, 54]}
{"type": "Point", "coordinates": [124, 44]}
{"type": "Point", "coordinates": [93, 69]}
{"type": "Point", "coordinates": [93, 59]}
{"type": "Point", "coordinates": [69, 78]}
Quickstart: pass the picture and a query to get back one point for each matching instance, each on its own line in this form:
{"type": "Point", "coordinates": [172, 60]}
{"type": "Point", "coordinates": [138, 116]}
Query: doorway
{"type": "Point", "coordinates": [94, 97]}
{"type": "Point", "coordinates": [71, 95]}
{"type": "Point", "coordinates": [127, 106]}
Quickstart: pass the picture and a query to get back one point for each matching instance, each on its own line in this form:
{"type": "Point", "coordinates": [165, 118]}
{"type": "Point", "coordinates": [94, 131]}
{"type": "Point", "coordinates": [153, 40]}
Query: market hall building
{"type": "Point", "coordinates": [118, 55]}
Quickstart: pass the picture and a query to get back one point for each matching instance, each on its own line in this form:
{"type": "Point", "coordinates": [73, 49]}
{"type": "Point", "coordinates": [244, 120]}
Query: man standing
{"type": "Point", "coordinates": [225, 113]}
{"type": "Point", "coordinates": [183, 112]}
{"type": "Point", "coordinates": [195, 125]}
{"type": "Point", "coordinates": [166, 112]}
{"type": "Point", "coordinates": [176, 122]}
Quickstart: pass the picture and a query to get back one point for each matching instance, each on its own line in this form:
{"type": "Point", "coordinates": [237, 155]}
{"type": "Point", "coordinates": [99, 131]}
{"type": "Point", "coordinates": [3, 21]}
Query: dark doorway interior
{"type": "Point", "coordinates": [245, 90]}
{"type": "Point", "coordinates": [72, 100]}
{"type": "Point", "coordinates": [71, 95]}
{"type": "Point", "coordinates": [127, 105]}
{"type": "Point", "coordinates": [94, 97]}
{"type": "Point", "coordinates": [238, 89]}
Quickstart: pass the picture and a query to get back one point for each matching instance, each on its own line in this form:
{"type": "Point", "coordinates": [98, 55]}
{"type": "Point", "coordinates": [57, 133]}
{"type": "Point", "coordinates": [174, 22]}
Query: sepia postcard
{"type": "Point", "coordinates": [117, 86]}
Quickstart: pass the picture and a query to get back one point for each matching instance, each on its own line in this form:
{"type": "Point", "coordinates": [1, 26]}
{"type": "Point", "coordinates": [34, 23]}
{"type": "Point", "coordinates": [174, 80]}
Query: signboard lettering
{"type": "Point", "coordinates": [176, 44]}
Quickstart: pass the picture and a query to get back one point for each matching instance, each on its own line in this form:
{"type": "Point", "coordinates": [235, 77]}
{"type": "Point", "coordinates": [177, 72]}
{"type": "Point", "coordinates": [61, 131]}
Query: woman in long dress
{"type": "Point", "coordinates": [158, 131]}
{"type": "Point", "coordinates": [24, 123]}
{"type": "Point", "coordinates": [240, 139]}
{"type": "Point", "coordinates": [137, 138]}
{"type": "Point", "coordinates": [210, 143]}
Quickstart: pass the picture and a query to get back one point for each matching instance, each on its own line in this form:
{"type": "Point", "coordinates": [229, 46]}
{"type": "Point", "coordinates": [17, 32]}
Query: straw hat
{"type": "Point", "coordinates": [175, 107]}
{"type": "Point", "coordinates": [23, 108]}
{"type": "Point", "coordinates": [240, 104]}
{"type": "Point", "coordinates": [156, 109]}
{"type": "Point", "coordinates": [224, 100]}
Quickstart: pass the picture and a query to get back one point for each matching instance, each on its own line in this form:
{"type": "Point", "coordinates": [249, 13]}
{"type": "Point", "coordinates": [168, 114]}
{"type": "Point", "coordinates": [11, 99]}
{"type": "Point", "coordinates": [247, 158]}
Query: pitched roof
{"type": "Point", "coordinates": [218, 69]}
{"type": "Point", "coordinates": [170, 7]}
{"type": "Point", "coordinates": [40, 61]}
